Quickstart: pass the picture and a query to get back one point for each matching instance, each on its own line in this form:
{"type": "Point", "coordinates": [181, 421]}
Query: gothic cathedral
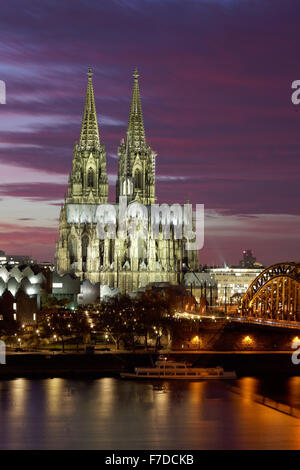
{"type": "Point", "coordinates": [118, 262]}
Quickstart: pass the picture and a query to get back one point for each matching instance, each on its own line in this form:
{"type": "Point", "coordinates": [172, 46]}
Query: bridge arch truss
{"type": "Point", "coordinates": [274, 294]}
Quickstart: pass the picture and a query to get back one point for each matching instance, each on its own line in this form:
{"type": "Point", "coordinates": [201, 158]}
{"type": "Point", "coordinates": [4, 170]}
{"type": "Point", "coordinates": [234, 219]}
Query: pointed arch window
{"type": "Point", "coordinates": [72, 247]}
{"type": "Point", "coordinates": [138, 179]}
{"type": "Point", "coordinates": [91, 178]}
{"type": "Point", "coordinates": [84, 252]}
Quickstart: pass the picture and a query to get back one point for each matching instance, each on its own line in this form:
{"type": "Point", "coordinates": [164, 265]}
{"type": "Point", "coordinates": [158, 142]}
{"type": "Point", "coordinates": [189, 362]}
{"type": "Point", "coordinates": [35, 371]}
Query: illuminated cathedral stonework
{"type": "Point", "coordinates": [124, 263]}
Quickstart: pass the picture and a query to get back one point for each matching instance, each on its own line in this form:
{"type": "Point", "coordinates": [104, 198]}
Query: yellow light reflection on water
{"type": "Point", "coordinates": [56, 391]}
{"type": "Point", "coordinates": [248, 387]}
{"type": "Point", "coordinates": [197, 392]}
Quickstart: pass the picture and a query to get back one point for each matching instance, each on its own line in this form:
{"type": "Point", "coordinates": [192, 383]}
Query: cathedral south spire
{"type": "Point", "coordinates": [136, 131]}
{"type": "Point", "coordinates": [136, 175]}
{"type": "Point", "coordinates": [89, 136]}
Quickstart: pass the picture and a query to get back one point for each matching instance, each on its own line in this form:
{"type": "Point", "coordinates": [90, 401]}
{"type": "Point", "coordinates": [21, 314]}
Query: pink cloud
{"type": "Point", "coordinates": [215, 84]}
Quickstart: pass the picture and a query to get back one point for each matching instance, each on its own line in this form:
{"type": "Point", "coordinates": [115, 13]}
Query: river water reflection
{"type": "Point", "coordinates": [108, 413]}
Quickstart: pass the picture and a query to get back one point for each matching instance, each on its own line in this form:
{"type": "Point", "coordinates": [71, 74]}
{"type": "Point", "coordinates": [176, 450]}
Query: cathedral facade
{"type": "Point", "coordinates": [127, 262]}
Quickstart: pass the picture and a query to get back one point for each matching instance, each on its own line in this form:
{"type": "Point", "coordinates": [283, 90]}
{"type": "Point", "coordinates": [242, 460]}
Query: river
{"type": "Point", "coordinates": [108, 413]}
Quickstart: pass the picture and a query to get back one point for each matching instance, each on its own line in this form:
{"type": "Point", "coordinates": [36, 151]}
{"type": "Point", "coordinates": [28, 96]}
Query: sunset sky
{"type": "Point", "coordinates": [215, 80]}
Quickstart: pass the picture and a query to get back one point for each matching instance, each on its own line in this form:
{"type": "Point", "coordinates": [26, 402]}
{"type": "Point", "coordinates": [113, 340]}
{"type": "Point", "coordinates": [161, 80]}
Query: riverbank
{"type": "Point", "coordinates": [245, 363]}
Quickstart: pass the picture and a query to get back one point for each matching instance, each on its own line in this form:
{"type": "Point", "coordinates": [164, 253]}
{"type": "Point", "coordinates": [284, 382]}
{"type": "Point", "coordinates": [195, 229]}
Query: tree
{"type": "Point", "coordinates": [53, 305]}
{"type": "Point", "coordinates": [56, 324]}
{"type": "Point", "coordinates": [125, 318]}
{"type": "Point", "coordinates": [114, 319]}
{"type": "Point", "coordinates": [151, 309]}
{"type": "Point", "coordinates": [9, 330]}
{"type": "Point", "coordinates": [80, 326]}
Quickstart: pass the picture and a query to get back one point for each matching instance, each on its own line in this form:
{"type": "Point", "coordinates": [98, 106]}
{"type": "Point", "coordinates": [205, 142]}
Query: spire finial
{"type": "Point", "coordinates": [90, 73]}
{"type": "Point", "coordinates": [136, 74]}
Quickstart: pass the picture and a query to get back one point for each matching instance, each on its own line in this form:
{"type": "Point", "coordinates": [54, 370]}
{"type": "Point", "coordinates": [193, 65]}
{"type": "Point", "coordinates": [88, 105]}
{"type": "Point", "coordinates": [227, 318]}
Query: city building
{"type": "Point", "coordinates": [232, 283]}
{"type": "Point", "coordinates": [249, 261]}
{"type": "Point", "coordinates": [223, 286]}
{"type": "Point", "coordinates": [46, 265]}
{"type": "Point", "coordinates": [22, 291]}
{"type": "Point", "coordinates": [120, 262]}
{"type": "Point", "coordinates": [66, 286]}
{"type": "Point", "coordinates": [203, 287]}
{"type": "Point", "coordinates": [15, 260]}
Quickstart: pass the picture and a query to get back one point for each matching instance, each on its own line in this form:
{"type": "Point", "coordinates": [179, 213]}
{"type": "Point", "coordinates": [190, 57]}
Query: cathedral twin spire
{"type": "Point", "coordinates": [88, 180]}
{"type": "Point", "coordinates": [136, 131]}
{"type": "Point", "coordinates": [89, 135]}
{"type": "Point", "coordinates": [136, 175]}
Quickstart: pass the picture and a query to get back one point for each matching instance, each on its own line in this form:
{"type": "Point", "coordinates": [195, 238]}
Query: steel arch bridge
{"type": "Point", "coordinates": [274, 294]}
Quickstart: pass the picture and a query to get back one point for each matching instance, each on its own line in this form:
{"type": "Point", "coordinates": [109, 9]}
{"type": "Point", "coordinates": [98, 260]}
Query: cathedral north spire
{"type": "Point", "coordinates": [89, 136]}
{"type": "Point", "coordinates": [88, 179]}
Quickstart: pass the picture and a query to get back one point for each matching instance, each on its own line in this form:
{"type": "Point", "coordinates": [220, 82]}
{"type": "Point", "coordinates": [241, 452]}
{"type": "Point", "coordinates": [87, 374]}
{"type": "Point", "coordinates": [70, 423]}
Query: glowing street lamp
{"type": "Point", "coordinates": [247, 340]}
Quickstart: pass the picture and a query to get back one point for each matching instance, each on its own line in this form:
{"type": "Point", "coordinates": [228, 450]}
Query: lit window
{"type": "Point", "coordinates": [15, 316]}
{"type": "Point", "coordinates": [15, 306]}
{"type": "Point", "coordinates": [34, 317]}
{"type": "Point", "coordinates": [1, 317]}
{"type": "Point", "coordinates": [57, 285]}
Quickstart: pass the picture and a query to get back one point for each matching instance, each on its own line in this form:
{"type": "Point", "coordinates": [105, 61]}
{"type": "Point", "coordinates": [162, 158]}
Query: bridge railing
{"type": "Point", "coordinates": [269, 322]}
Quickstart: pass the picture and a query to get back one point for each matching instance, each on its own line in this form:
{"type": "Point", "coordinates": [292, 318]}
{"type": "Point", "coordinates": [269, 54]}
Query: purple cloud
{"type": "Point", "coordinates": [215, 83]}
{"type": "Point", "coordinates": [34, 191]}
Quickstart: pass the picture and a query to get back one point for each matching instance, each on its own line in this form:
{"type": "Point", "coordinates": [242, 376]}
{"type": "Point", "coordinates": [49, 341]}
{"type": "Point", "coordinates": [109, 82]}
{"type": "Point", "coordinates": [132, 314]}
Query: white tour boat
{"type": "Point", "coordinates": [178, 370]}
